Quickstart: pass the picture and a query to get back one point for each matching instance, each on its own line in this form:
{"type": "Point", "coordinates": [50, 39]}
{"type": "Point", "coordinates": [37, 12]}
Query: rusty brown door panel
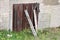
{"type": "Point", "coordinates": [17, 17]}
{"type": "Point", "coordinates": [29, 8]}
{"type": "Point", "coordinates": [20, 21]}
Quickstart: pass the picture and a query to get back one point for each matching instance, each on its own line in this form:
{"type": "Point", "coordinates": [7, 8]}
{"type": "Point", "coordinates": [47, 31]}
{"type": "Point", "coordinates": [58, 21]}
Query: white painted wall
{"type": "Point", "coordinates": [53, 11]}
{"type": "Point", "coordinates": [4, 14]}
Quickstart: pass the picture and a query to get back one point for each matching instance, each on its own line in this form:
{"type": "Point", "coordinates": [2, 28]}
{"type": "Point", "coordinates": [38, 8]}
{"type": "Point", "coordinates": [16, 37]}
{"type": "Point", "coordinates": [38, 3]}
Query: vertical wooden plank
{"type": "Point", "coordinates": [17, 17]}
{"type": "Point", "coordinates": [35, 19]}
{"type": "Point", "coordinates": [14, 17]}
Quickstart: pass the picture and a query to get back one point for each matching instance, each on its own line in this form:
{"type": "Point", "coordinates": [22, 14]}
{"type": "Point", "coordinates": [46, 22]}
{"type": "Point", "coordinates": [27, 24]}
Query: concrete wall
{"type": "Point", "coordinates": [53, 11]}
{"type": "Point", "coordinates": [50, 13]}
{"type": "Point", "coordinates": [4, 14]}
{"type": "Point", "coordinates": [50, 2]}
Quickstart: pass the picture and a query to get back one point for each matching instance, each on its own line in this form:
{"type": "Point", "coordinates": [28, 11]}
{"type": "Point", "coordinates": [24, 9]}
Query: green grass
{"type": "Point", "coordinates": [47, 34]}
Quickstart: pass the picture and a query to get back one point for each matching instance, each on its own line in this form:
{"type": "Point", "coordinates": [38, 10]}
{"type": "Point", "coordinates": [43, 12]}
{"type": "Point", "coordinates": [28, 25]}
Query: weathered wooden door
{"type": "Point", "coordinates": [20, 21]}
{"type": "Point", "coordinates": [17, 17]}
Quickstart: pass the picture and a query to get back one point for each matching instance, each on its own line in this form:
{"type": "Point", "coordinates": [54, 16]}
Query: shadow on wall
{"type": "Point", "coordinates": [51, 2]}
